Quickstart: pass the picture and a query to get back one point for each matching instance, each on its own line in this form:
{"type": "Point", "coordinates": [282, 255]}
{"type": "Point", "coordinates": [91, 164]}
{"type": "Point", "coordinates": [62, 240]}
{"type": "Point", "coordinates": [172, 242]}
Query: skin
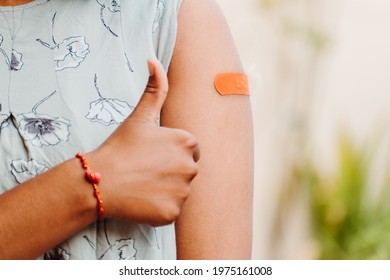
{"type": "Point", "coordinates": [144, 189]}
{"type": "Point", "coordinates": [214, 218]}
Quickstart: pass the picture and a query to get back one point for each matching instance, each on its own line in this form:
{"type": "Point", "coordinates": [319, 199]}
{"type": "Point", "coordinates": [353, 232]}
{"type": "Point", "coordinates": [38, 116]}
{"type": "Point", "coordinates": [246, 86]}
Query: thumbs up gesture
{"type": "Point", "coordinates": [146, 169]}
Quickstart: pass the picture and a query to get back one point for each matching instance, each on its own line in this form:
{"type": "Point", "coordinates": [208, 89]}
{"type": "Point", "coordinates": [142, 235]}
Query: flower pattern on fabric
{"type": "Point", "coordinates": [43, 130]}
{"type": "Point", "coordinates": [57, 253]}
{"type": "Point", "coordinates": [70, 53]}
{"type": "Point", "coordinates": [4, 121]}
{"type": "Point", "coordinates": [128, 63]}
{"type": "Point", "coordinates": [112, 6]}
{"type": "Point", "coordinates": [122, 249]}
{"type": "Point", "coordinates": [15, 63]}
{"type": "Point", "coordinates": [25, 170]}
{"type": "Point", "coordinates": [45, 121]}
{"type": "Point", "coordinates": [159, 13]}
{"type": "Point", "coordinates": [108, 111]}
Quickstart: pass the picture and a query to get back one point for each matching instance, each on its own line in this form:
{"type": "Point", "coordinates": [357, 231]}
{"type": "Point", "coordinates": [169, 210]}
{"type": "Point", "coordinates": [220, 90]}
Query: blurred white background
{"type": "Point", "coordinates": [317, 67]}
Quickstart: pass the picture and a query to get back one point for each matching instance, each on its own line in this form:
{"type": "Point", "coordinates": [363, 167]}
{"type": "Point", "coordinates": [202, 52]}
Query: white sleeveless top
{"type": "Point", "coordinates": [70, 72]}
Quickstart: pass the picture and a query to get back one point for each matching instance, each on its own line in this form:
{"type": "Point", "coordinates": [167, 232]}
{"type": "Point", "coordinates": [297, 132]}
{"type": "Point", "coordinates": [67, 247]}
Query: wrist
{"type": "Point", "coordinates": [100, 162]}
{"type": "Point", "coordinates": [93, 177]}
{"type": "Point", "coordinates": [82, 190]}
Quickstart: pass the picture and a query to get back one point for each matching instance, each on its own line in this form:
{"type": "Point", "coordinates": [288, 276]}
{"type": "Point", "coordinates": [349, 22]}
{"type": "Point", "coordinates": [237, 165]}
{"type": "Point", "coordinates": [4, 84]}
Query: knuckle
{"type": "Point", "coordinates": [171, 214]}
{"type": "Point", "coordinates": [187, 139]}
{"type": "Point", "coordinates": [192, 169]}
{"type": "Point", "coordinates": [186, 168]}
{"type": "Point", "coordinates": [184, 192]}
{"type": "Point", "coordinates": [164, 89]}
{"type": "Point", "coordinates": [192, 141]}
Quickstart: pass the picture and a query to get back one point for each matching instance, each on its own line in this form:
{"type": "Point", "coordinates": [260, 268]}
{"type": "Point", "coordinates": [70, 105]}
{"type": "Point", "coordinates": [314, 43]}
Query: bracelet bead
{"type": "Point", "coordinates": [93, 178]}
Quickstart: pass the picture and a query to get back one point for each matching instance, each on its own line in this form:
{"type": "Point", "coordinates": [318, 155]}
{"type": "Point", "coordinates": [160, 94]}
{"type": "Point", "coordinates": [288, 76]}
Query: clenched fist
{"type": "Point", "coordinates": [146, 169]}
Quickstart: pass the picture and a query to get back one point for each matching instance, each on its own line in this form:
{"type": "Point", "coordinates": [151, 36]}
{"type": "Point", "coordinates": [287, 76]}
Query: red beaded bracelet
{"type": "Point", "coordinates": [94, 178]}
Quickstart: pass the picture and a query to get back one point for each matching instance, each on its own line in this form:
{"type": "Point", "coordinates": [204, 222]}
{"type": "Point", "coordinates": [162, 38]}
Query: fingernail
{"type": "Point", "coordinates": [151, 68]}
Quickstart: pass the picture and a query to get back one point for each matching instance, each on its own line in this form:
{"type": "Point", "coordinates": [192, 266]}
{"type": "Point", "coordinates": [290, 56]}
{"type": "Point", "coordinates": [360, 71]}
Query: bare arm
{"type": "Point", "coordinates": [216, 220]}
{"type": "Point", "coordinates": [39, 214]}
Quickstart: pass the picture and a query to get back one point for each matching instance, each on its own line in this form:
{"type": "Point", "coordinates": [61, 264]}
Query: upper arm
{"type": "Point", "coordinates": [216, 220]}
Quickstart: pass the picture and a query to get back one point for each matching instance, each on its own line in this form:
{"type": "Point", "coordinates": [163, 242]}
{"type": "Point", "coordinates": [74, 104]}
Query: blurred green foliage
{"type": "Point", "coordinates": [346, 223]}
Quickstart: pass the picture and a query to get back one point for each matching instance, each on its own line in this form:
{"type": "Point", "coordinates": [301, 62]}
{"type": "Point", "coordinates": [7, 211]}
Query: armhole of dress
{"type": "Point", "coordinates": [165, 35]}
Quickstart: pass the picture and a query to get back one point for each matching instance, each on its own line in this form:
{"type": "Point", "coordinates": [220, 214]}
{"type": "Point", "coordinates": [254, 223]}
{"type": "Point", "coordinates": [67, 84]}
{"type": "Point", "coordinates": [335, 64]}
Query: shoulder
{"type": "Point", "coordinates": [204, 35]}
{"type": "Point", "coordinates": [207, 11]}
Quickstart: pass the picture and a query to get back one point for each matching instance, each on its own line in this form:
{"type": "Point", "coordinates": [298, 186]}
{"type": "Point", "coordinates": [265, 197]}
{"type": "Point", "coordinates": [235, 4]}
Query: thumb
{"type": "Point", "coordinates": [155, 93]}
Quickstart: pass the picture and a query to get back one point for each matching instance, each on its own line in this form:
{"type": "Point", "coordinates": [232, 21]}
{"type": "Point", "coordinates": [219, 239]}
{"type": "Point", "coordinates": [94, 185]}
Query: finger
{"type": "Point", "coordinates": [153, 98]}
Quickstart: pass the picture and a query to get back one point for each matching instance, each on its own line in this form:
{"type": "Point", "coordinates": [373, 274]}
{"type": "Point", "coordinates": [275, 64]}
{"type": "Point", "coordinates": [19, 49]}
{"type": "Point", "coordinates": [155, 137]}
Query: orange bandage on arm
{"type": "Point", "coordinates": [231, 83]}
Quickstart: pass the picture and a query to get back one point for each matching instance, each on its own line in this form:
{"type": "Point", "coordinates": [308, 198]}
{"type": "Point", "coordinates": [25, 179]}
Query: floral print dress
{"type": "Point", "coordinates": [70, 72]}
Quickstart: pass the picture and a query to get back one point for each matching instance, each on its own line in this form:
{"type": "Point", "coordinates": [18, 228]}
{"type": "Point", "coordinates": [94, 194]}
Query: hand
{"type": "Point", "coordinates": [146, 169]}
